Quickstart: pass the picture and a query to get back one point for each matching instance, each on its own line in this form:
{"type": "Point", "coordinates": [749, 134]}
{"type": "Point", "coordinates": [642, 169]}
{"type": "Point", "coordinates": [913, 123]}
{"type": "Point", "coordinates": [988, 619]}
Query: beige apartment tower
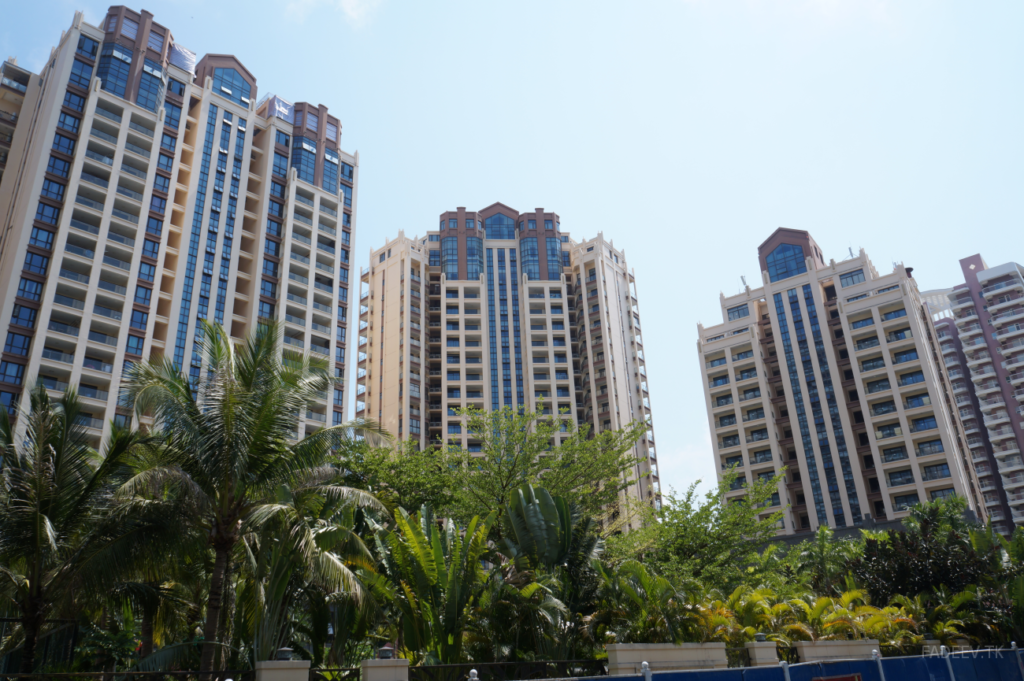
{"type": "Point", "coordinates": [828, 370]}
{"type": "Point", "coordinates": [496, 309]}
{"type": "Point", "coordinates": [144, 190]}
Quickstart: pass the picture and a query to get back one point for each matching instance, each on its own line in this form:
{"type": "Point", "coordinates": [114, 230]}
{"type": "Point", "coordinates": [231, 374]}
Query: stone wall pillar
{"type": "Point", "coordinates": [763, 653]}
{"type": "Point", "coordinates": [394, 669]}
{"type": "Point", "coordinates": [282, 670]}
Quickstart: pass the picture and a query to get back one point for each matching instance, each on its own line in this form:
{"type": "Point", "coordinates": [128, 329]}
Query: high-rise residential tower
{"type": "Point", "coordinates": [144, 190]}
{"type": "Point", "coordinates": [827, 370]}
{"type": "Point", "coordinates": [983, 347]}
{"type": "Point", "coordinates": [498, 308]}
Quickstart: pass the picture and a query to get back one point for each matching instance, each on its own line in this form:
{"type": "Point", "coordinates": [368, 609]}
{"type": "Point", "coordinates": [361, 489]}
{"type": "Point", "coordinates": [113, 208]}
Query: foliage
{"type": "Point", "coordinates": [434, 570]}
{"type": "Point", "coordinates": [587, 469]}
{"type": "Point", "coordinates": [404, 476]}
{"type": "Point", "coordinates": [704, 538]}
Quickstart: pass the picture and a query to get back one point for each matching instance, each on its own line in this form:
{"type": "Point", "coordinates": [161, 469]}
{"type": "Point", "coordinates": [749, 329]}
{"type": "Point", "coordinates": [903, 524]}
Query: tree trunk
{"type": "Point", "coordinates": [213, 605]}
{"type": "Point", "coordinates": [227, 615]}
{"type": "Point", "coordinates": [31, 625]}
{"type": "Point", "coordinates": [146, 634]}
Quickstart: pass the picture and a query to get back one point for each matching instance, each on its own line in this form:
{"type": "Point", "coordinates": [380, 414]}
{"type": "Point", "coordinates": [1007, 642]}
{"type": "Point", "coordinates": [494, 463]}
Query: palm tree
{"type": "Point", "coordinates": [226, 441]}
{"type": "Point", "coordinates": [826, 559]}
{"type": "Point", "coordinates": [62, 529]}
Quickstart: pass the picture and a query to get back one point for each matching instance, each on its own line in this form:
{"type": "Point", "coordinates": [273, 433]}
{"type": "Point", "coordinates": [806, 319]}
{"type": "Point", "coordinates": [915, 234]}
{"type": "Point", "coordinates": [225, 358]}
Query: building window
{"type": "Point", "coordinates": [172, 115]}
{"type": "Point", "coordinates": [787, 260]}
{"type": "Point", "coordinates": [946, 493]}
{"type": "Point", "coordinates": [531, 258]}
{"type": "Point", "coordinates": [134, 345]}
{"type": "Point", "coordinates": [531, 224]}
{"type": "Point", "coordinates": [114, 67]}
{"type": "Point", "coordinates": [304, 158]}
{"type": "Point", "coordinates": [312, 121]}
{"type": "Point", "coordinates": [31, 290]}
{"type": "Point", "coordinates": [12, 373]}
{"type": "Point", "coordinates": [68, 122]}
{"type": "Point", "coordinates": [738, 312]}
{"type": "Point", "coordinates": [270, 268]}
{"type": "Point", "coordinates": [897, 478]}
{"type": "Point", "coordinates": [81, 74]}
{"type": "Point", "coordinates": [280, 165]}
{"type": "Point", "coordinates": [164, 162]}
{"type": "Point", "coordinates": [266, 310]}
{"type": "Point", "coordinates": [347, 191]}
{"type": "Point", "coordinates": [17, 344]}
{"type": "Point", "coordinates": [41, 238]}
{"type": "Point", "coordinates": [53, 190]}
{"type": "Point", "coordinates": [435, 259]}
{"type": "Point", "coordinates": [129, 28]}
{"type": "Point", "coordinates": [87, 47]}
{"type": "Point", "coordinates": [904, 502]}
{"type": "Point", "coordinates": [151, 86]}
{"type": "Point", "coordinates": [474, 257]}
{"type": "Point", "coordinates": [936, 472]}
{"type": "Point", "coordinates": [176, 86]}
{"type": "Point", "coordinates": [450, 257]}
{"type": "Point", "coordinates": [330, 182]}
{"type": "Point", "coordinates": [24, 316]}
{"type": "Point", "coordinates": [73, 101]}
{"type": "Point", "coordinates": [147, 272]}
{"type": "Point", "coordinates": [851, 278]}
{"type": "Point", "coordinates": [156, 41]}
{"type": "Point", "coordinates": [549, 224]}
{"type": "Point", "coordinates": [554, 254]}
{"type": "Point", "coordinates": [930, 447]}
{"type": "Point", "coordinates": [143, 295]}
{"type": "Point", "coordinates": [168, 142]}
{"type": "Point", "coordinates": [348, 172]}
{"type": "Point", "coordinates": [229, 83]}
{"type": "Point", "coordinates": [157, 205]}
{"type": "Point", "coordinates": [500, 227]}
{"type": "Point", "coordinates": [139, 319]}
{"type": "Point", "coordinates": [150, 248]}
{"type": "Point", "coordinates": [63, 144]}
{"type": "Point", "coordinates": [36, 264]}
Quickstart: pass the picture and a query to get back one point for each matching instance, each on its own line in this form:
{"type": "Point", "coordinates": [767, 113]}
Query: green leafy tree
{"type": "Point", "coordinates": [705, 538]}
{"type": "Point", "coordinates": [587, 470]}
{"type": "Point", "coordinates": [61, 531]}
{"type": "Point", "coordinates": [226, 443]}
{"type": "Point", "coordinates": [435, 574]}
{"type": "Point", "coordinates": [827, 560]}
{"type": "Point", "coordinates": [405, 476]}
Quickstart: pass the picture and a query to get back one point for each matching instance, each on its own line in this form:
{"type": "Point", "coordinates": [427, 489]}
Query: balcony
{"type": "Point", "coordinates": [1002, 286]}
{"type": "Point", "coordinates": [1011, 330]}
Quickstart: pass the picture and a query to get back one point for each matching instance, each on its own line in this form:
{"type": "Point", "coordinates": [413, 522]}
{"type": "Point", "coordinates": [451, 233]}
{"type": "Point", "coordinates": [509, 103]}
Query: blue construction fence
{"type": "Point", "coordinates": [978, 665]}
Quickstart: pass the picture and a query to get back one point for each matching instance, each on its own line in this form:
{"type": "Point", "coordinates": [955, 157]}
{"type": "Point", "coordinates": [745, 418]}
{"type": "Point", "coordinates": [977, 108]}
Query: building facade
{"type": "Point", "coordinates": [144, 190]}
{"type": "Point", "coordinates": [983, 347]}
{"type": "Point", "coordinates": [498, 308]}
{"type": "Point", "coordinates": [827, 370]}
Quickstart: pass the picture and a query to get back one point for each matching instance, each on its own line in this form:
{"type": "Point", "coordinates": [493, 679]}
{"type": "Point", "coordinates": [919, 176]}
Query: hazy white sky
{"type": "Point", "coordinates": [685, 130]}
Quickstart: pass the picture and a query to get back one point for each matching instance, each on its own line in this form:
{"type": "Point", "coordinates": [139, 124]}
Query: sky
{"type": "Point", "coordinates": [684, 130]}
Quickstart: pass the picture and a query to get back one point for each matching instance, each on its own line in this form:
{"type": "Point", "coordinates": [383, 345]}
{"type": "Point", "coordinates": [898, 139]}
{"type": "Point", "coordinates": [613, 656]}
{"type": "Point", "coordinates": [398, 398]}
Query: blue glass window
{"type": "Point", "coordinates": [68, 122]}
{"type": "Point", "coordinates": [435, 259]}
{"type": "Point", "coordinates": [134, 345]}
{"type": "Point", "coordinates": [172, 115]}
{"type": "Point", "coordinates": [53, 190]}
{"type": "Point", "coordinates": [786, 261]}
{"type": "Point", "coordinates": [851, 278]}
{"type": "Point", "coordinates": [41, 238]}
{"type": "Point", "coordinates": [347, 191]}
{"type": "Point", "coordinates": [12, 373]}
{"type": "Point", "coordinates": [281, 138]}
{"type": "Point", "coordinates": [114, 67]}
{"type": "Point", "coordinates": [147, 272]}
{"type": "Point", "coordinates": [143, 295]}
{"type": "Point", "coordinates": [73, 101]}
{"type": "Point", "coordinates": [348, 172]}
{"type": "Point", "coordinates": [81, 74]}
{"type": "Point", "coordinates": [554, 257]}
{"type": "Point", "coordinates": [47, 214]}
{"type": "Point", "coordinates": [280, 165]}
{"type": "Point", "coordinates": [154, 226]}
{"type": "Point", "coordinates": [63, 144]}
{"type": "Point", "coordinates": [474, 257]}
{"type": "Point", "coordinates": [87, 47]}
{"type": "Point", "coordinates": [229, 83]}
{"type": "Point", "coordinates": [531, 258]}
{"type": "Point", "coordinates": [58, 166]}
{"type": "Point", "coordinates": [36, 263]}
{"type": "Point", "coordinates": [17, 344]}
{"type": "Point", "coordinates": [330, 182]}
{"type": "Point", "coordinates": [500, 227]}
{"type": "Point", "coordinates": [450, 257]}
{"type": "Point", "coordinates": [164, 162]}
{"type": "Point", "coordinates": [151, 86]}
{"type": "Point", "coordinates": [176, 86]}
{"type": "Point", "coordinates": [304, 158]}
{"type": "Point", "coordinates": [139, 319]}
{"type": "Point", "coordinates": [738, 312]}
{"type": "Point", "coordinates": [150, 248]}
{"type": "Point", "coordinates": [24, 316]}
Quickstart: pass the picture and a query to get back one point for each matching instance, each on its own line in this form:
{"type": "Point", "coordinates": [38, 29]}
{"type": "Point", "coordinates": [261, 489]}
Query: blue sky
{"type": "Point", "coordinates": [685, 130]}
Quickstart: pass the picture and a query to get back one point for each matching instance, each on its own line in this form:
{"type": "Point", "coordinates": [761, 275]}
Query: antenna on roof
{"type": "Point", "coordinates": [743, 279]}
{"type": "Point", "coordinates": [851, 251]}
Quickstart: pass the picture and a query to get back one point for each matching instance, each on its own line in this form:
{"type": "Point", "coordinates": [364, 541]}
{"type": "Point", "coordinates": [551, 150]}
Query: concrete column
{"type": "Point", "coordinates": [384, 670]}
{"type": "Point", "coordinates": [763, 653]}
{"type": "Point", "coordinates": [282, 670]}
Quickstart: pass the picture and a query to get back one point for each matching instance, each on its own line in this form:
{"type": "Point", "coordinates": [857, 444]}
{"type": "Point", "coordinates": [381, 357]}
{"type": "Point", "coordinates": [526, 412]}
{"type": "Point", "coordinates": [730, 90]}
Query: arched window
{"type": "Point", "coordinates": [500, 227]}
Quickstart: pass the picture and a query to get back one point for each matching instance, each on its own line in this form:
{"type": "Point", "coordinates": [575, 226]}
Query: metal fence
{"type": "Point", "coordinates": [738, 657]}
{"type": "Point", "coordinates": [509, 671]}
{"type": "Point", "coordinates": [787, 654]}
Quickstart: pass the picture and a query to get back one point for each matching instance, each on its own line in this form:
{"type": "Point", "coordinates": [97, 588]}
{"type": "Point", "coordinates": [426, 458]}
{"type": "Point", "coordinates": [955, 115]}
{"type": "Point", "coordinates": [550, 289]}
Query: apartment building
{"type": "Point", "coordinates": [983, 349]}
{"type": "Point", "coordinates": [143, 190]}
{"type": "Point", "coordinates": [827, 370]}
{"type": "Point", "coordinates": [497, 308]}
